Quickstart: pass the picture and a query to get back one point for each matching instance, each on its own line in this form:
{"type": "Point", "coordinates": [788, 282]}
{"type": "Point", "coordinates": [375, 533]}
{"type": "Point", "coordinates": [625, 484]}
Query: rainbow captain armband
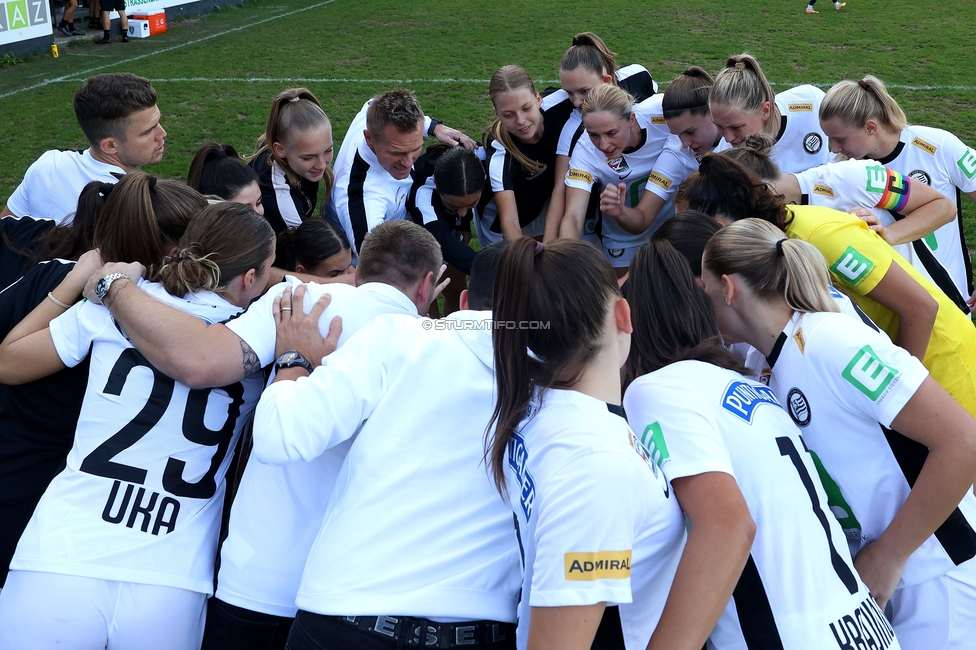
{"type": "Point", "coordinates": [893, 187]}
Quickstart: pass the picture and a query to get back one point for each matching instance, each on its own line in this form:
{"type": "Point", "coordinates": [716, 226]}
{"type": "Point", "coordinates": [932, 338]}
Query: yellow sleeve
{"type": "Point", "coordinates": [857, 256]}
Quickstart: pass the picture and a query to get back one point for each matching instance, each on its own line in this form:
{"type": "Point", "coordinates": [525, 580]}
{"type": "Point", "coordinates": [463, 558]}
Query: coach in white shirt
{"type": "Point", "coordinates": [372, 170]}
{"type": "Point", "coordinates": [418, 549]}
{"type": "Point", "coordinates": [118, 114]}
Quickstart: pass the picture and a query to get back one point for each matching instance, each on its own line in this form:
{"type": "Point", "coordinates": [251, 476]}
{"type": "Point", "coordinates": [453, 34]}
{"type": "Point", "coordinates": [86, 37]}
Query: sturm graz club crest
{"type": "Point", "coordinates": [798, 406]}
{"type": "Point", "coordinates": [812, 143]}
{"type": "Point", "coordinates": [920, 175]}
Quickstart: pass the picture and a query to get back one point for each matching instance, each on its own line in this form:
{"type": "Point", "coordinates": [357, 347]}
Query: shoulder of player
{"type": "Point", "coordinates": [927, 137]}
{"type": "Point", "coordinates": [804, 93]}
{"type": "Point", "coordinates": [557, 100]}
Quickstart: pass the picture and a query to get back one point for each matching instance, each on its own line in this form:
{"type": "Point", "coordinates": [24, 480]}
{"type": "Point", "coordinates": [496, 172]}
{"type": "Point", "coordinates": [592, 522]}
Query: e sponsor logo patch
{"type": "Point", "coordinates": [603, 565]}
{"type": "Point", "coordinates": [925, 146]}
{"type": "Point", "coordinates": [660, 180]}
{"type": "Point", "coordinates": [812, 143]}
{"type": "Point", "coordinates": [852, 267]}
{"type": "Point", "coordinates": [798, 407]}
{"type": "Point", "coordinates": [580, 175]}
{"type": "Point", "coordinates": [968, 164]}
{"type": "Point", "coordinates": [741, 399]}
{"type": "Point", "coordinates": [653, 441]}
{"type": "Point", "coordinates": [868, 373]}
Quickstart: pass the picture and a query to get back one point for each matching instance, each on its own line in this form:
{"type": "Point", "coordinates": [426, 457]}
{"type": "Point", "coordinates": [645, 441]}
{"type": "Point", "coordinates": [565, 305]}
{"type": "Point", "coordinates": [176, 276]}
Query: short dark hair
{"type": "Point", "coordinates": [104, 103]}
{"type": "Point", "coordinates": [309, 244]}
{"type": "Point", "coordinates": [689, 232]}
{"type": "Point", "coordinates": [482, 280]}
{"type": "Point", "coordinates": [398, 253]}
{"type": "Point", "coordinates": [397, 107]}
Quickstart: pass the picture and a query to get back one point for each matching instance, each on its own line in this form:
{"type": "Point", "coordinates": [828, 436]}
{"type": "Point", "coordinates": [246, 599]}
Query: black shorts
{"type": "Point", "coordinates": [111, 5]}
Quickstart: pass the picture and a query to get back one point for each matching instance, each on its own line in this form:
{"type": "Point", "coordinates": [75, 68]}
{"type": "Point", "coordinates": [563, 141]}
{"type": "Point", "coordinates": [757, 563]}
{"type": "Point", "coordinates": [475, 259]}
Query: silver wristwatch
{"type": "Point", "coordinates": [104, 284]}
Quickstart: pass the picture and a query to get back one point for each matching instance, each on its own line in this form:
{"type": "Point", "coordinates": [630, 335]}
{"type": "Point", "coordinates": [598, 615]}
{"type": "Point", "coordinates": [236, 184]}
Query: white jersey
{"type": "Point", "coordinates": [674, 165]}
{"type": "Point", "coordinates": [865, 183]}
{"type": "Point", "coordinates": [800, 141]}
{"type": "Point", "coordinates": [597, 521]}
{"type": "Point", "coordinates": [364, 194]}
{"type": "Point", "coordinates": [53, 184]}
{"type": "Point", "coordinates": [588, 167]}
{"type": "Point", "coordinates": [141, 496]}
{"type": "Point", "coordinates": [279, 509]}
{"type": "Point", "coordinates": [756, 367]}
{"type": "Point", "coordinates": [799, 584]}
{"type": "Point", "coordinates": [843, 384]}
{"type": "Point", "coordinates": [415, 526]}
{"type": "Point", "coordinates": [634, 78]}
{"type": "Point", "coordinates": [940, 160]}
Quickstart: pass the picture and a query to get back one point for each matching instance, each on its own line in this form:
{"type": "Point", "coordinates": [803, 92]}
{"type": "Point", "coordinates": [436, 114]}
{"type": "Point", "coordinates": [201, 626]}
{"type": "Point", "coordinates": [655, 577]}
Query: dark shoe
{"type": "Point", "coordinates": [63, 28]}
{"type": "Point", "coordinates": [104, 41]}
{"type": "Point", "coordinates": [74, 32]}
{"type": "Point", "coordinates": [125, 37]}
{"type": "Point", "coordinates": [93, 23]}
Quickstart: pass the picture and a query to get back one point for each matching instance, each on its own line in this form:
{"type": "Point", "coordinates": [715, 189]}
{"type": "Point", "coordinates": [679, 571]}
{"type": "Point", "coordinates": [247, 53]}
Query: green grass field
{"type": "Point", "coordinates": [217, 74]}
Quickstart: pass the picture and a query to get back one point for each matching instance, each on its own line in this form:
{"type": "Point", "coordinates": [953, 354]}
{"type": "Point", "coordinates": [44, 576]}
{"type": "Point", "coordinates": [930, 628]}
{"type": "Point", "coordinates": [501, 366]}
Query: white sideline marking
{"type": "Point", "coordinates": [84, 73]}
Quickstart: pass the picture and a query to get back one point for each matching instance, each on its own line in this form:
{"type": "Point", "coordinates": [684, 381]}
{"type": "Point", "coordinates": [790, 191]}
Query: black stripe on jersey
{"type": "Point", "coordinates": [965, 249]}
{"type": "Point", "coordinates": [894, 154]}
{"type": "Point", "coordinates": [955, 534]}
{"type": "Point", "coordinates": [938, 273]}
{"type": "Point", "coordinates": [777, 349]}
{"type": "Point", "coordinates": [637, 147]}
{"type": "Point", "coordinates": [576, 137]}
{"type": "Point", "coordinates": [864, 317]}
{"type": "Point", "coordinates": [356, 202]}
{"type": "Point", "coordinates": [610, 633]}
{"type": "Point", "coordinates": [804, 199]}
{"type": "Point", "coordinates": [616, 409]}
{"type": "Point", "coordinates": [782, 127]}
{"type": "Point", "coordinates": [639, 85]}
{"type": "Point", "coordinates": [755, 615]}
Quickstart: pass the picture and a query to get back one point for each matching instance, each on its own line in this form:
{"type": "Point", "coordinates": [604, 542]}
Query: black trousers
{"type": "Point", "coordinates": [229, 626]}
{"type": "Point", "coordinates": [317, 632]}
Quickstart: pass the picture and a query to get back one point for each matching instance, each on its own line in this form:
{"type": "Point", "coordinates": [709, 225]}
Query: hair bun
{"type": "Point", "coordinates": [761, 143]}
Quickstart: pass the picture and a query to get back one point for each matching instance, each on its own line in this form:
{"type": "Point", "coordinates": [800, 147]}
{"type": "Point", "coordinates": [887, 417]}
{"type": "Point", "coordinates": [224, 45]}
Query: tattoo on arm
{"type": "Point", "coordinates": [250, 360]}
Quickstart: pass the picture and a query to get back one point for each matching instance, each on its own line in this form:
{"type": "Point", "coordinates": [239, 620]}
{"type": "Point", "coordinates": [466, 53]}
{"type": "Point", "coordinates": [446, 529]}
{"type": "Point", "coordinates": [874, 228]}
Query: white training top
{"type": "Point", "coordinates": [941, 160]}
{"type": "Point", "coordinates": [415, 526]}
{"type": "Point", "coordinates": [799, 583]}
{"type": "Point", "coordinates": [53, 184]}
{"type": "Point", "coordinates": [141, 496]}
{"type": "Point", "coordinates": [864, 183]}
{"type": "Point", "coordinates": [800, 141]}
{"type": "Point", "coordinates": [674, 165]}
{"type": "Point", "coordinates": [634, 78]}
{"type": "Point", "coordinates": [843, 384]}
{"type": "Point", "coordinates": [588, 166]}
{"type": "Point", "coordinates": [597, 521]}
{"type": "Point", "coordinates": [279, 509]}
{"type": "Point", "coordinates": [364, 194]}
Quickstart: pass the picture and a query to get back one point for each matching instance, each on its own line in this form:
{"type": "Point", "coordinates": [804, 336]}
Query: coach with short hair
{"type": "Point", "coordinates": [372, 170]}
{"type": "Point", "coordinates": [119, 116]}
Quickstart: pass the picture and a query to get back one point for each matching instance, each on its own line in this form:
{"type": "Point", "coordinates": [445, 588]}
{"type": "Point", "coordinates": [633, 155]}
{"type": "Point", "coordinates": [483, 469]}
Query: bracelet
{"type": "Point", "coordinates": [50, 295]}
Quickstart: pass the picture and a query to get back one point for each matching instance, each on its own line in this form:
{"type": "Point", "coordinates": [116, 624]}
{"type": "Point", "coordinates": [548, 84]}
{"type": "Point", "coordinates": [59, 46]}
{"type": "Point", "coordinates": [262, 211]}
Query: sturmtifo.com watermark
{"type": "Point", "coordinates": [458, 324]}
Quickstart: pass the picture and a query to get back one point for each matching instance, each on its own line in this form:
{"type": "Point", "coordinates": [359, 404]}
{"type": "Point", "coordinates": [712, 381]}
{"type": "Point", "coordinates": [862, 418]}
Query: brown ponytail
{"type": "Point", "coordinates": [142, 216]}
{"type": "Point", "coordinates": [556, 296]}
{"type": "Point", "coordinates": [672, 316]}
{"type": "Point", "coordinates": [591, 53]}
{"type": "Point", "coordinates": [723, 187]}
{"type": "Point", "coordinates": [756, 156]}
{"type": "Point", "coordinates": [222, 242]}
{"type": "Point", "coordinates": [688, 92]}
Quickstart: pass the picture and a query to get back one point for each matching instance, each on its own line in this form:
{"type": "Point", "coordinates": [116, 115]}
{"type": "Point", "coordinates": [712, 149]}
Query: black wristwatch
{"type": "Point", "coordinates": [292, 359]}
{"type": "Point", "coordinates": [433, 125]}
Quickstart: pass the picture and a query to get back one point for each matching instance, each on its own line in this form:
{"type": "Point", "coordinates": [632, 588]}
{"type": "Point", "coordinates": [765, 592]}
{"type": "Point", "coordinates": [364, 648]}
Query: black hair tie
{"type": "Point", "coordinates": [579, 41]}
{"type": "Point", "coordinates": [779, 247]}
{"type": "Point", "coordinates": [105, 189]}
{"type": "Point", "coordinates": [215, 155]}
{"type": "Point", "coordinates": [152, 182]}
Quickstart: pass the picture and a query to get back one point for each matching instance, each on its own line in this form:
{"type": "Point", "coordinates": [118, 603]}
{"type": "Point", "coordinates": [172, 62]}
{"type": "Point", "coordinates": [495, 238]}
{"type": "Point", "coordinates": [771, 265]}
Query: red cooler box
{"type": "Point", "coordinates": [157, 21]}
